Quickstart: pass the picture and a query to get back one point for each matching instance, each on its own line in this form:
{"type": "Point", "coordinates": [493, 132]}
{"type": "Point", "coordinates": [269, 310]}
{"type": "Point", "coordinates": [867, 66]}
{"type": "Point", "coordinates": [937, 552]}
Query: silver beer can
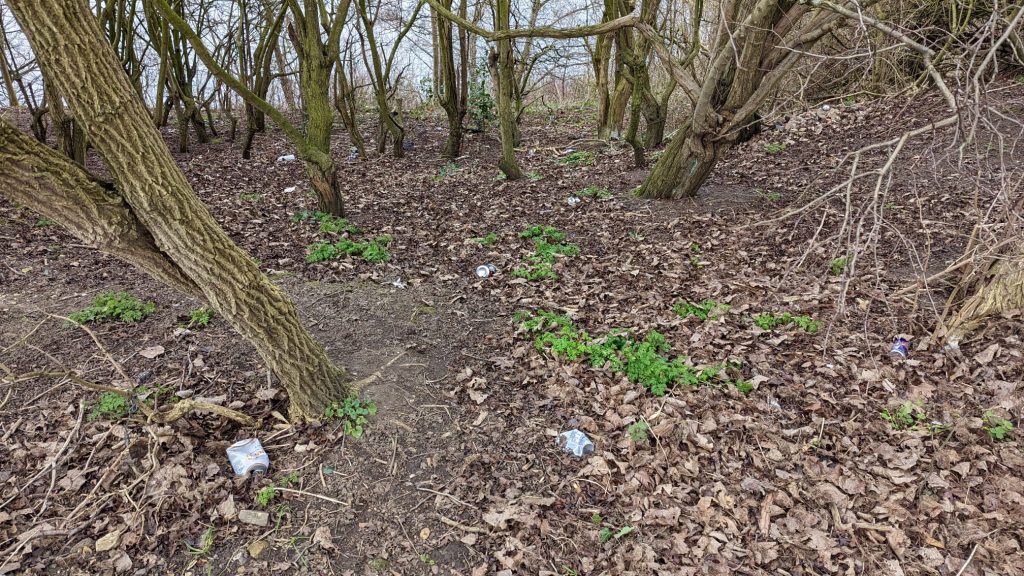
{"type": "Point", "coordinates": [573, 200]}
{"type": "Point", "coordinates": [248, 456]}
{"type": "Point", "coordinates": [575, 442]}
{"type": "Point", "coordinates": [485, 270]}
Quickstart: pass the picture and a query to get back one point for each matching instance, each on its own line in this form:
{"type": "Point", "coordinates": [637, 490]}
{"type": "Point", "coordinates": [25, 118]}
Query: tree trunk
{"type": "Point", "coordinates": [66, 39]}
{"type": "Point", "coordinates": [70, 138]}
{"type": "Point", "coordinates": [5, 70]}
{"type": "Point", "coordinates": [599, 60]}
{"type": "Point", "coordinates": [315, 85]}
{"type": "Point", "coordinates": [506, 111]}
{"type": "Point", "coordinates": [286, 81]}
{"type": "Point", "coordinates": [1001, 290]}
{"type": "Point", "coordinates": [748, 60]}
{"type": "Point", "coordinates": [683, 167]}
{"type": "Point", "coordinates": [450, 89]}
{"type": "Point", "coordinates": [345, 104]}
{"type": "Point", "coordinates": [51, 184]}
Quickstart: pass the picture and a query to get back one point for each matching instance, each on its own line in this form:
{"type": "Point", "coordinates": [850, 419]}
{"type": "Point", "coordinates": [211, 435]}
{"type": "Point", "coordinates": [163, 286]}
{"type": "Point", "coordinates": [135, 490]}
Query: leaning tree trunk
{"type": "Point", "coordinates": [1001, 290]}
{"type": "Point", "coordinates": [66, 38]}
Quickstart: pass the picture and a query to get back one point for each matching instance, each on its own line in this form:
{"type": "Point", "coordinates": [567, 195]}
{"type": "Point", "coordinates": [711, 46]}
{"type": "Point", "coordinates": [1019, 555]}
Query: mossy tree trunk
{"type": "Point", "coordinates": [452, 84]}
{"type": "Point", "coordinates": [505, 66]}
{"type": "Point", "coordinates": [66, 39]}
{"type": "Point", "coordinates": [599, 60]}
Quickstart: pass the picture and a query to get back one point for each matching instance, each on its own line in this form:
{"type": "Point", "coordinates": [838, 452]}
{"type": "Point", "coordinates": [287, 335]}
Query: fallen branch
{"type": "Point", "coordinates": [461, 526]}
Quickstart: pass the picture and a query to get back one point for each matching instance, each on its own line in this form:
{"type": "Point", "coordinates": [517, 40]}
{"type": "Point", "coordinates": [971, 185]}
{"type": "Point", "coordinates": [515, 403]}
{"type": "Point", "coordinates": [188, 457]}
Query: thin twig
{"type": "Point", "coordinates": [461, 526]}
{"type": "Point", "coordinates": [314, 495]}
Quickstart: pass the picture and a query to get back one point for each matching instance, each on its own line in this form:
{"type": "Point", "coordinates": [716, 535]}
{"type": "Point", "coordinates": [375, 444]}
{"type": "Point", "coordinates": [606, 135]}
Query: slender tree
{"type": "Point", "coordinates": [316, 54]}
{"type": "Point", "coordinates": [171, 234]}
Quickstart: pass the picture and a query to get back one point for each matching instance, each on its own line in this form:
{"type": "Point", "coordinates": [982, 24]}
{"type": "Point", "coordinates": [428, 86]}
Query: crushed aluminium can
{"type": "Point", "coordinates": [485, 270]}
{"type": "Point", "coordinates": [573, 200]}
{"type": "Point", "coordinates": [286, 158]}
{"type": "Point", "coordinates": [899, 347]}
{"type": "Point", "coordinates": [248, 456]}
{"type": "Point", "coordinates": [575, 442]}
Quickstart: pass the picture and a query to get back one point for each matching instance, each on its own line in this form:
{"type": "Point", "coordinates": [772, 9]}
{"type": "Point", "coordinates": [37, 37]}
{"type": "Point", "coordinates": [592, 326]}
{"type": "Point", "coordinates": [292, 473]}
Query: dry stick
{"type": "Point", "coordinates": [117, 366]}
{"type": "Point", "coordinates": [56, 457]}
{"type": "Point", "coordinates": [25, 337]}
{"type": "Point", "coordinates": [926, 52]}
{"type": "Point", "coordinates": [973, 550]}
{"type": "Point", "coordinates": [461, 526]}
{"type": "Point", "coordinates": [453, 498]}
{"type": "Point", "coordinates": [314, 495]}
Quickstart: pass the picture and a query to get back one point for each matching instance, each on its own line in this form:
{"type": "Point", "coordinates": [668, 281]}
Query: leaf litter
{"type": "Point", "coordinates": [800, 476]}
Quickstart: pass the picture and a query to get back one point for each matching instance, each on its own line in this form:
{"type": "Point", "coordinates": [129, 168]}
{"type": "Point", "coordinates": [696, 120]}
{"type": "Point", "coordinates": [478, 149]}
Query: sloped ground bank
{"type": "Point", "coordinates": [458, 473]}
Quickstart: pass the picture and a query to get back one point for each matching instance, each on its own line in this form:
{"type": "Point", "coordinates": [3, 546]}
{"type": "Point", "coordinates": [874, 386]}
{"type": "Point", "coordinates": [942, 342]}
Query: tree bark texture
{"type": "Point", "coordinates": [506, 112]}
{"type": "Point", "coordinates": [67, 41]}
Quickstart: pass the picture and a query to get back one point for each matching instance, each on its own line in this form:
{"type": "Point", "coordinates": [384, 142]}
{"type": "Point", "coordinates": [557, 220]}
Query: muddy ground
{"type": "Point", "coordinates": [458, 472]}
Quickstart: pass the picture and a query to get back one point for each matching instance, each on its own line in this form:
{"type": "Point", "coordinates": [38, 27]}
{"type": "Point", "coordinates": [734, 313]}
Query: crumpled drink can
{"type": "Point", "coordinates": [573, 200]}
{"type": "Point", "coordinates": [286, 158]}
{"type": "Point", "coordinates": [248, 456]}
{"type": "Point", "coordinates": [899, 347]}
{"type": "Point", "coordinates": [575, 442]}
{"type": "Point", "coordinates": [485, 270]}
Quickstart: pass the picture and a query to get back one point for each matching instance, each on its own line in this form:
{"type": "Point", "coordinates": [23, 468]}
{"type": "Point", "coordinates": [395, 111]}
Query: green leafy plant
{"type": "Point", "coordinates": [481, 107]}
{"type": "Point", "coordinates": [578, 158]}
{"type": "Point", "coordinates": [250, 196]}
{"type": "Point", "coordinates": [379, 564]}
{"type": "Point", "coordinates": [769, 321]}
{"type": "Point", "coordinates": [352, 412]}
{"type": "Point", "coordinates": [43, 223]}
{"type": "Point", "coordinates": [595, 192]}
{"type": "Point", "coordinates": [998, 428]}
{"type": "Point", "coordinates": [547, 245]}
{"type": "Point", "coordinates": [743, 386]}
{"type": "Point", "coordinates": [266, 495]}
{"type": "Point", "coordinates": [426, 559]}
{"type": "Point", "coordinates": [905, 416]}
{"type": "Point", "coordinates": [695, 255]}
{"type": "Point", "coordinates": [1019, 79]}
{"type": "Point", "coordinates": [774, 147]}
{"type": "Point", "coordinates": [334, 225]}
{"type": "Point", "coordinates": [638, 431]}
{"type": "Point", "coordinates": [642, 361]}
{"type": "Point", "coordinates": [596, 519]}
{"type": "Point", "coordinates": [110, 406]}
{"type": "Point", "coordinates": [201, 316]}
{"type": "Point", "coordinates": [703, 310]}
{"type": "Point", "coordinates": [837, 266]}
{"type": "Point", "coordinates": [487, 240]}
{"type": "Point", "coordinates": [445, 171]}
{"type": "Point", "coordinates": [771, 196]}
{"type": "Point", "coordinates": [204, 545]}
{"type": "Point", "coordinates": [375, 250]}
{"type": "Point", "coordinates": [534, 176]}
{"type": "Point", "coordinates": [636, 236]}
{"type": "Point", "coordinates": [607, 534]}
{"type": "Point", "coordinates": [114, 306]}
